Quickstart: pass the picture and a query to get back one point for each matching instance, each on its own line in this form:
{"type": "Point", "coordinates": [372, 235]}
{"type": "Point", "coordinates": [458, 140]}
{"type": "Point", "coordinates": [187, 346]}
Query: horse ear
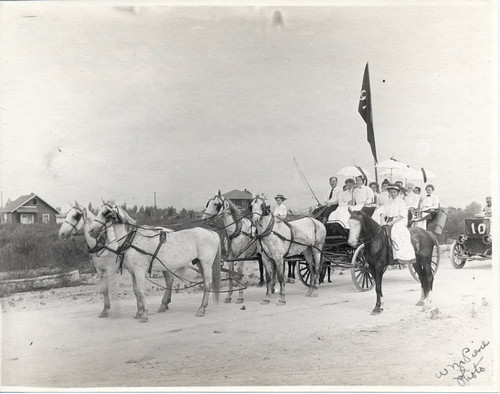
{"type": "Point", "coordinates": [349, 209]}
{"type": "Point", "coordinates": [219, 194]}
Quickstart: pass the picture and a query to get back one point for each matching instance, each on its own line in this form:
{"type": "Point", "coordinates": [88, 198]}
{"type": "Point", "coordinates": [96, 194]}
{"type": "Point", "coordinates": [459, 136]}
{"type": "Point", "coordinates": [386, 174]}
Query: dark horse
{"type": "Point", "coordinates": [377, 243]}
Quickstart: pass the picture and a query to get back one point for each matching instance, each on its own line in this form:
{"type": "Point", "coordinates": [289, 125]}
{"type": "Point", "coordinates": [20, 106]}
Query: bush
{"type": "Point", "coordinates": [28, 247]}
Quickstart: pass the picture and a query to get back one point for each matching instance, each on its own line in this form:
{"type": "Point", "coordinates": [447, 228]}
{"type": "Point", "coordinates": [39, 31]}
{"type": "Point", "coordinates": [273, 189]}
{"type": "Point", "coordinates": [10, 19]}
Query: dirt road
{"type": "Point", "coordinates": [54, 338]}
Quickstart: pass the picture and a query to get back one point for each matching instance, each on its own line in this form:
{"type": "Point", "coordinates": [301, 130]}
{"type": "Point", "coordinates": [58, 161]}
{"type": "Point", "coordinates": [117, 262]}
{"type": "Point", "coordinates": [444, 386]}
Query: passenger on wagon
{"type": "Point", "coordinates": [394, 214]}
{"type": "Point", "coordinates": [384, 194]}
{"type": "Point", "coordinates": [363, 195]}
{"type": "Point", "coordinates": [346, 200]}
{"type": "Point", "coordinates": [411, 201]}
{"type": "Point", "coordinates": [429, 203]}
{"type": "Point", "coordinates": [332, 200]}
{"type": "Point", "coordinates": [376, 191]}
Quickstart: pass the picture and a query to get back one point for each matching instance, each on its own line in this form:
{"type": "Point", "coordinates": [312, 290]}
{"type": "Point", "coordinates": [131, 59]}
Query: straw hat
{"type": "Point", "coordinates": [281, 196]}
{"type": "Point", "coordinates": [392, 186]}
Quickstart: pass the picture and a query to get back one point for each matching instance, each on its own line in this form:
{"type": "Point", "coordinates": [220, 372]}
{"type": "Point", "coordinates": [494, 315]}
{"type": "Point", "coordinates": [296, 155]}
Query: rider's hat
{"type": "Point", "coordinates": [281, 196]}
{"type": "Point", "coordinates": [392, 186]}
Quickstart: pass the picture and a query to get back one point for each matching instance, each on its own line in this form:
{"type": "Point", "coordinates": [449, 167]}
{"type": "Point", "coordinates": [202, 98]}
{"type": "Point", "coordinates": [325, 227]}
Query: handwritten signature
{"type": "Point", "coordinates": [468, 366]}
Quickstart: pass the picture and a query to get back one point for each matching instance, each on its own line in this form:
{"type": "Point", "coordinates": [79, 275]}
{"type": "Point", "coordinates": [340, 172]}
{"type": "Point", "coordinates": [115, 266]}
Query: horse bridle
{"type": "Point", "coordinates": [80, 212]}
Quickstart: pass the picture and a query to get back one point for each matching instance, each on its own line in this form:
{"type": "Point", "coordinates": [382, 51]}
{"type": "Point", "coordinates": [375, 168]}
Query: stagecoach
{"type": "Point", "coordinates": [474, 244]}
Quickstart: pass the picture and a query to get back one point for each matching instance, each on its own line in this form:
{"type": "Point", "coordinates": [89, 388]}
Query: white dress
{"type": "Point", "coordinates": [342, 213]}
{"type": "Point", "coordinates": [280, 210]}
{"type": "Point", "coordinates": [403, 249]}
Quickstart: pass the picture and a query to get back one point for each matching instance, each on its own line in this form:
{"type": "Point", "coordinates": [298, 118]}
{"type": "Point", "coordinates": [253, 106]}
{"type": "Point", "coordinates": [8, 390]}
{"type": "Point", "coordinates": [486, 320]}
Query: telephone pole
{"type": "Point", "coordinates": [155, 200]}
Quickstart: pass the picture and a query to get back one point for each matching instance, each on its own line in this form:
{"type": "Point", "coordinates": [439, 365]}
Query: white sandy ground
{"type": "Point", "coordinates": [54, 339]}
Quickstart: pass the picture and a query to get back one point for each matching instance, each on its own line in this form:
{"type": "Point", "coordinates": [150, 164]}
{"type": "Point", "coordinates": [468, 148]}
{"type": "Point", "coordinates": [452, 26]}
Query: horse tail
{"type": "Point", "coordinates": [216, 272]}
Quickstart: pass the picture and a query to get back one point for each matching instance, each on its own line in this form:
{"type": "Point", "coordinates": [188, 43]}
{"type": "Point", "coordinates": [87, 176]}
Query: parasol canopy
{"type": "Point", "coordinates": [352, 171]}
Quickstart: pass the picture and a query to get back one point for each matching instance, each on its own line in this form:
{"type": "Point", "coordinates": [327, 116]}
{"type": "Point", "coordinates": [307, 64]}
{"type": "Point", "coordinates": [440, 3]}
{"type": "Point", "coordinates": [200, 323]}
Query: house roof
{"type": "Point", "coordinates": [238, 195]}
{"type": "Point", "coordinates": [20, 201]}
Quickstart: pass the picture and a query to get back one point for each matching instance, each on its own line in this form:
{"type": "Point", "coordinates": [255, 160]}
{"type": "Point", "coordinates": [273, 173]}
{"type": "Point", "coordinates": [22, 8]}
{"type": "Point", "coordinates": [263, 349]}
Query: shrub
{"type": "Point", "coordinates": [27, 247]}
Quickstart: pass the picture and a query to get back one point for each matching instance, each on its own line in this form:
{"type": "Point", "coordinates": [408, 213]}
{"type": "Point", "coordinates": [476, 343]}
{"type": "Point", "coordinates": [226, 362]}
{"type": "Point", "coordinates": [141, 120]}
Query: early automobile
{"type": "Point", "coordinates": [474, 244]}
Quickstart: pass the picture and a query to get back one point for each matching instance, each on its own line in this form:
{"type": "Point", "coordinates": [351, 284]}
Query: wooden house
{"type": "Point", "coordinates": [28, 209]}
{"type": "Point", "coordinates": [241, 199]}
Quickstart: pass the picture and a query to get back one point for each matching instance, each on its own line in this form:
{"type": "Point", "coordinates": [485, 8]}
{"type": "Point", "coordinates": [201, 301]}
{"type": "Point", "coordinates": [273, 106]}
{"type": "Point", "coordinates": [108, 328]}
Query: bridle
{"type": "Point", "coordinates": [74, 226]}
{"type": "Point", "coordinates": [365, 240]}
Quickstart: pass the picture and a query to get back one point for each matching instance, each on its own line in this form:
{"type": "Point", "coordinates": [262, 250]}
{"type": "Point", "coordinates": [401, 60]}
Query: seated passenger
{"type": "Point", "coordinates": [346, 200]}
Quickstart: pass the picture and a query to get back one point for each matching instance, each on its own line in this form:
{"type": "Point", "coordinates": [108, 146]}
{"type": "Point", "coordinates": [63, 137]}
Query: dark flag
{"type": "Point", "coordinates": [365, 110]}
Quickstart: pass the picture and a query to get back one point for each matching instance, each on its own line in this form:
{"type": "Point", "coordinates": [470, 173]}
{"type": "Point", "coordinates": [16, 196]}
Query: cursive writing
{"type": "Point", "coordinates": [468, 365]}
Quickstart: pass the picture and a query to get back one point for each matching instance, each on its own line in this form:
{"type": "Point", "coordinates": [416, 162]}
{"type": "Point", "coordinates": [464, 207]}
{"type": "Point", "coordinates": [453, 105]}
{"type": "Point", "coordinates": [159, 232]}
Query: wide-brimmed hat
{"type": "Point", "coordinates": [281, 196]}
{"type": "Point", "coordinates": [392, 186]}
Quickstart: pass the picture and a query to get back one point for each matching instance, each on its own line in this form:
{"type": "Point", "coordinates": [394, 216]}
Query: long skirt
{"type": "Point", "coordinates": [403, 249]}
{"type": "Point", "coordinates": [341, 214]}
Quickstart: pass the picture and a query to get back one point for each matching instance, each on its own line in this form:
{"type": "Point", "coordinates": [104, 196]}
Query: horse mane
{"type": "Point", "coordinates": [233, 209]}
{"type": "Point", "coordinates": [126, 217]}
{"type": "Point", "coordinates": [369, 225]}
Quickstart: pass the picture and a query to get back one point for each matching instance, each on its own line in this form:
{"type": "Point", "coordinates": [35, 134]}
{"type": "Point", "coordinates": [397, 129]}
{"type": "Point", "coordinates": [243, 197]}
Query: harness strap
{"type": "Point", "coordinates": [163, 239]}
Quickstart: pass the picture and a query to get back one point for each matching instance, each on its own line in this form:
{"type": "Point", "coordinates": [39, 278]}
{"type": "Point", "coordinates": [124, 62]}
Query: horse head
{"type": "Point", "coordinates": [356, 227]}
{"type": "Point", "coordinates": [259, 208]}
{"type": "Point", "coordinates": [73, 222]}
{"type": "Point", "coordinates": [214, 206]}
{"type": "Point", "coordinates": [108, 213]}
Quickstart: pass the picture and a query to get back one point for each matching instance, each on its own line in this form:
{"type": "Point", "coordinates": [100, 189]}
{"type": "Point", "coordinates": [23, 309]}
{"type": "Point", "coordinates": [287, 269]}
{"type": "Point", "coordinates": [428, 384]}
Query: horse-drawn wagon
{"type": "Point", "coordinates": [338, 254]}
{"type": "Point", "coordinates": [474, 244]}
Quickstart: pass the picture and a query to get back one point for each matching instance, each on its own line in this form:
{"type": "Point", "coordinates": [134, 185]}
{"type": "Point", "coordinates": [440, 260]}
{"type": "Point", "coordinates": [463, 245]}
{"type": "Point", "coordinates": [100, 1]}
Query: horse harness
{"type": "Point", "coordinates": [269, 230]}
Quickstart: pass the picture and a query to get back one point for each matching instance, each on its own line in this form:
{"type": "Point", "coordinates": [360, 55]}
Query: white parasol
{"type": "Point", "coordinates": [352, 171]}
{"type": "Point", "coordinates": [392, 168]}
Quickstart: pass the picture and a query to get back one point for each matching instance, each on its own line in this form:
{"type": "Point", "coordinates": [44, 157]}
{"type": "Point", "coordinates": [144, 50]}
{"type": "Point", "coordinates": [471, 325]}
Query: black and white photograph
{"type": "Point", "coordinates": [286, 196]}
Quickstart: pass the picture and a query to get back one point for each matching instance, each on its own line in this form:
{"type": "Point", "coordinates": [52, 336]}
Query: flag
{"type": "Point", "coordinates": [365, 110]}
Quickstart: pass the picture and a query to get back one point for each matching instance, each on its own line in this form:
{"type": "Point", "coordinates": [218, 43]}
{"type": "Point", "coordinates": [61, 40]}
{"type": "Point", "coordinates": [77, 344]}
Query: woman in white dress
{"type": "Point", "coordinates": [394, 214]}
{"type": "Point", "coordinates": [346, 200]}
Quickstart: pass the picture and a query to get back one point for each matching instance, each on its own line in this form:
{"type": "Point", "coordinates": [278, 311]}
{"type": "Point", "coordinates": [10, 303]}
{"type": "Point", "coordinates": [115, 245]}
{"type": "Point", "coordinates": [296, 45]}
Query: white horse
{"type": "Point", "coordinates": [76, 222]}
{"type": "Point", "coordinates": [239, 235]}
{"type": "Point", "coordinates": [279, 239]}
{"type": "Point", "coordinates": [150, 249]}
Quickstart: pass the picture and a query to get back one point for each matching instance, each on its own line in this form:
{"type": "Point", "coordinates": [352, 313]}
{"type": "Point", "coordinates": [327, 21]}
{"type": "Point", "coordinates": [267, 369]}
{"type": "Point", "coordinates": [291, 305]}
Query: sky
{"type": "Point", "coordinates": [119, 101]}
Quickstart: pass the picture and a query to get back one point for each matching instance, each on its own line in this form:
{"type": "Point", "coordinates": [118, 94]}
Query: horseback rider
{"type": "Point", "coordinates": [394, 215]}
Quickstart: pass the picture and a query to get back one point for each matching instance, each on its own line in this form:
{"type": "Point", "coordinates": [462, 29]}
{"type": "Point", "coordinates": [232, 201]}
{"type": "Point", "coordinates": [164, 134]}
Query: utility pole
{"type": "Point", "coordinates": [155, 200]}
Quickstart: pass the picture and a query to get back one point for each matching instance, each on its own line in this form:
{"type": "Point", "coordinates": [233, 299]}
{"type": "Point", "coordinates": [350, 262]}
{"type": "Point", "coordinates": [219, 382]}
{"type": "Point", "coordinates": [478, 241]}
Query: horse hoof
{"type": "Point", "coordinates": [200, 313]}
{"type": "Point", "coordinates": [314, 295]}
{"type": "Point", "coordinates": [376, 311]}
{"type": "Point", "coordinates": [419, 303]}
{"type": "Point", "coordinates": [227, 300]}
{"type": "Point", "coordinates": [281, 303]}
{"type": "Point", "coordinates": [162, 308]}
{"type": "Point", "coordinates": [239, 301]}
{"type": "Point", "coordinates": [143, 320]}
{"type": "Point", "coordinates": [138, 316]}
{"type": "Point", "coordinates": [103, 314]}
{"type": "Point", "coordinates": [265, 302]}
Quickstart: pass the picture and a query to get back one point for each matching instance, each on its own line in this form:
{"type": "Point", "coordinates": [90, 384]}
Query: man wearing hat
{"type": "Point", "coordinates": [394, 214]}
{"type": "Point", "coordinates": [281, 210]}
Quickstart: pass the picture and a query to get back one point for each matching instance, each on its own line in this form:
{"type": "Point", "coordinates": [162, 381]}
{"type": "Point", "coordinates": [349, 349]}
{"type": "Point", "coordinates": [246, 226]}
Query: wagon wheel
{"type": "Point", "coordinates": [434, 265]}
{"type": "Point", "coordinates": [457, 250]}
{"type": "Point", "coordinates": [305, 273]}
{"type": "Point", "coordinates": [360, 271]}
